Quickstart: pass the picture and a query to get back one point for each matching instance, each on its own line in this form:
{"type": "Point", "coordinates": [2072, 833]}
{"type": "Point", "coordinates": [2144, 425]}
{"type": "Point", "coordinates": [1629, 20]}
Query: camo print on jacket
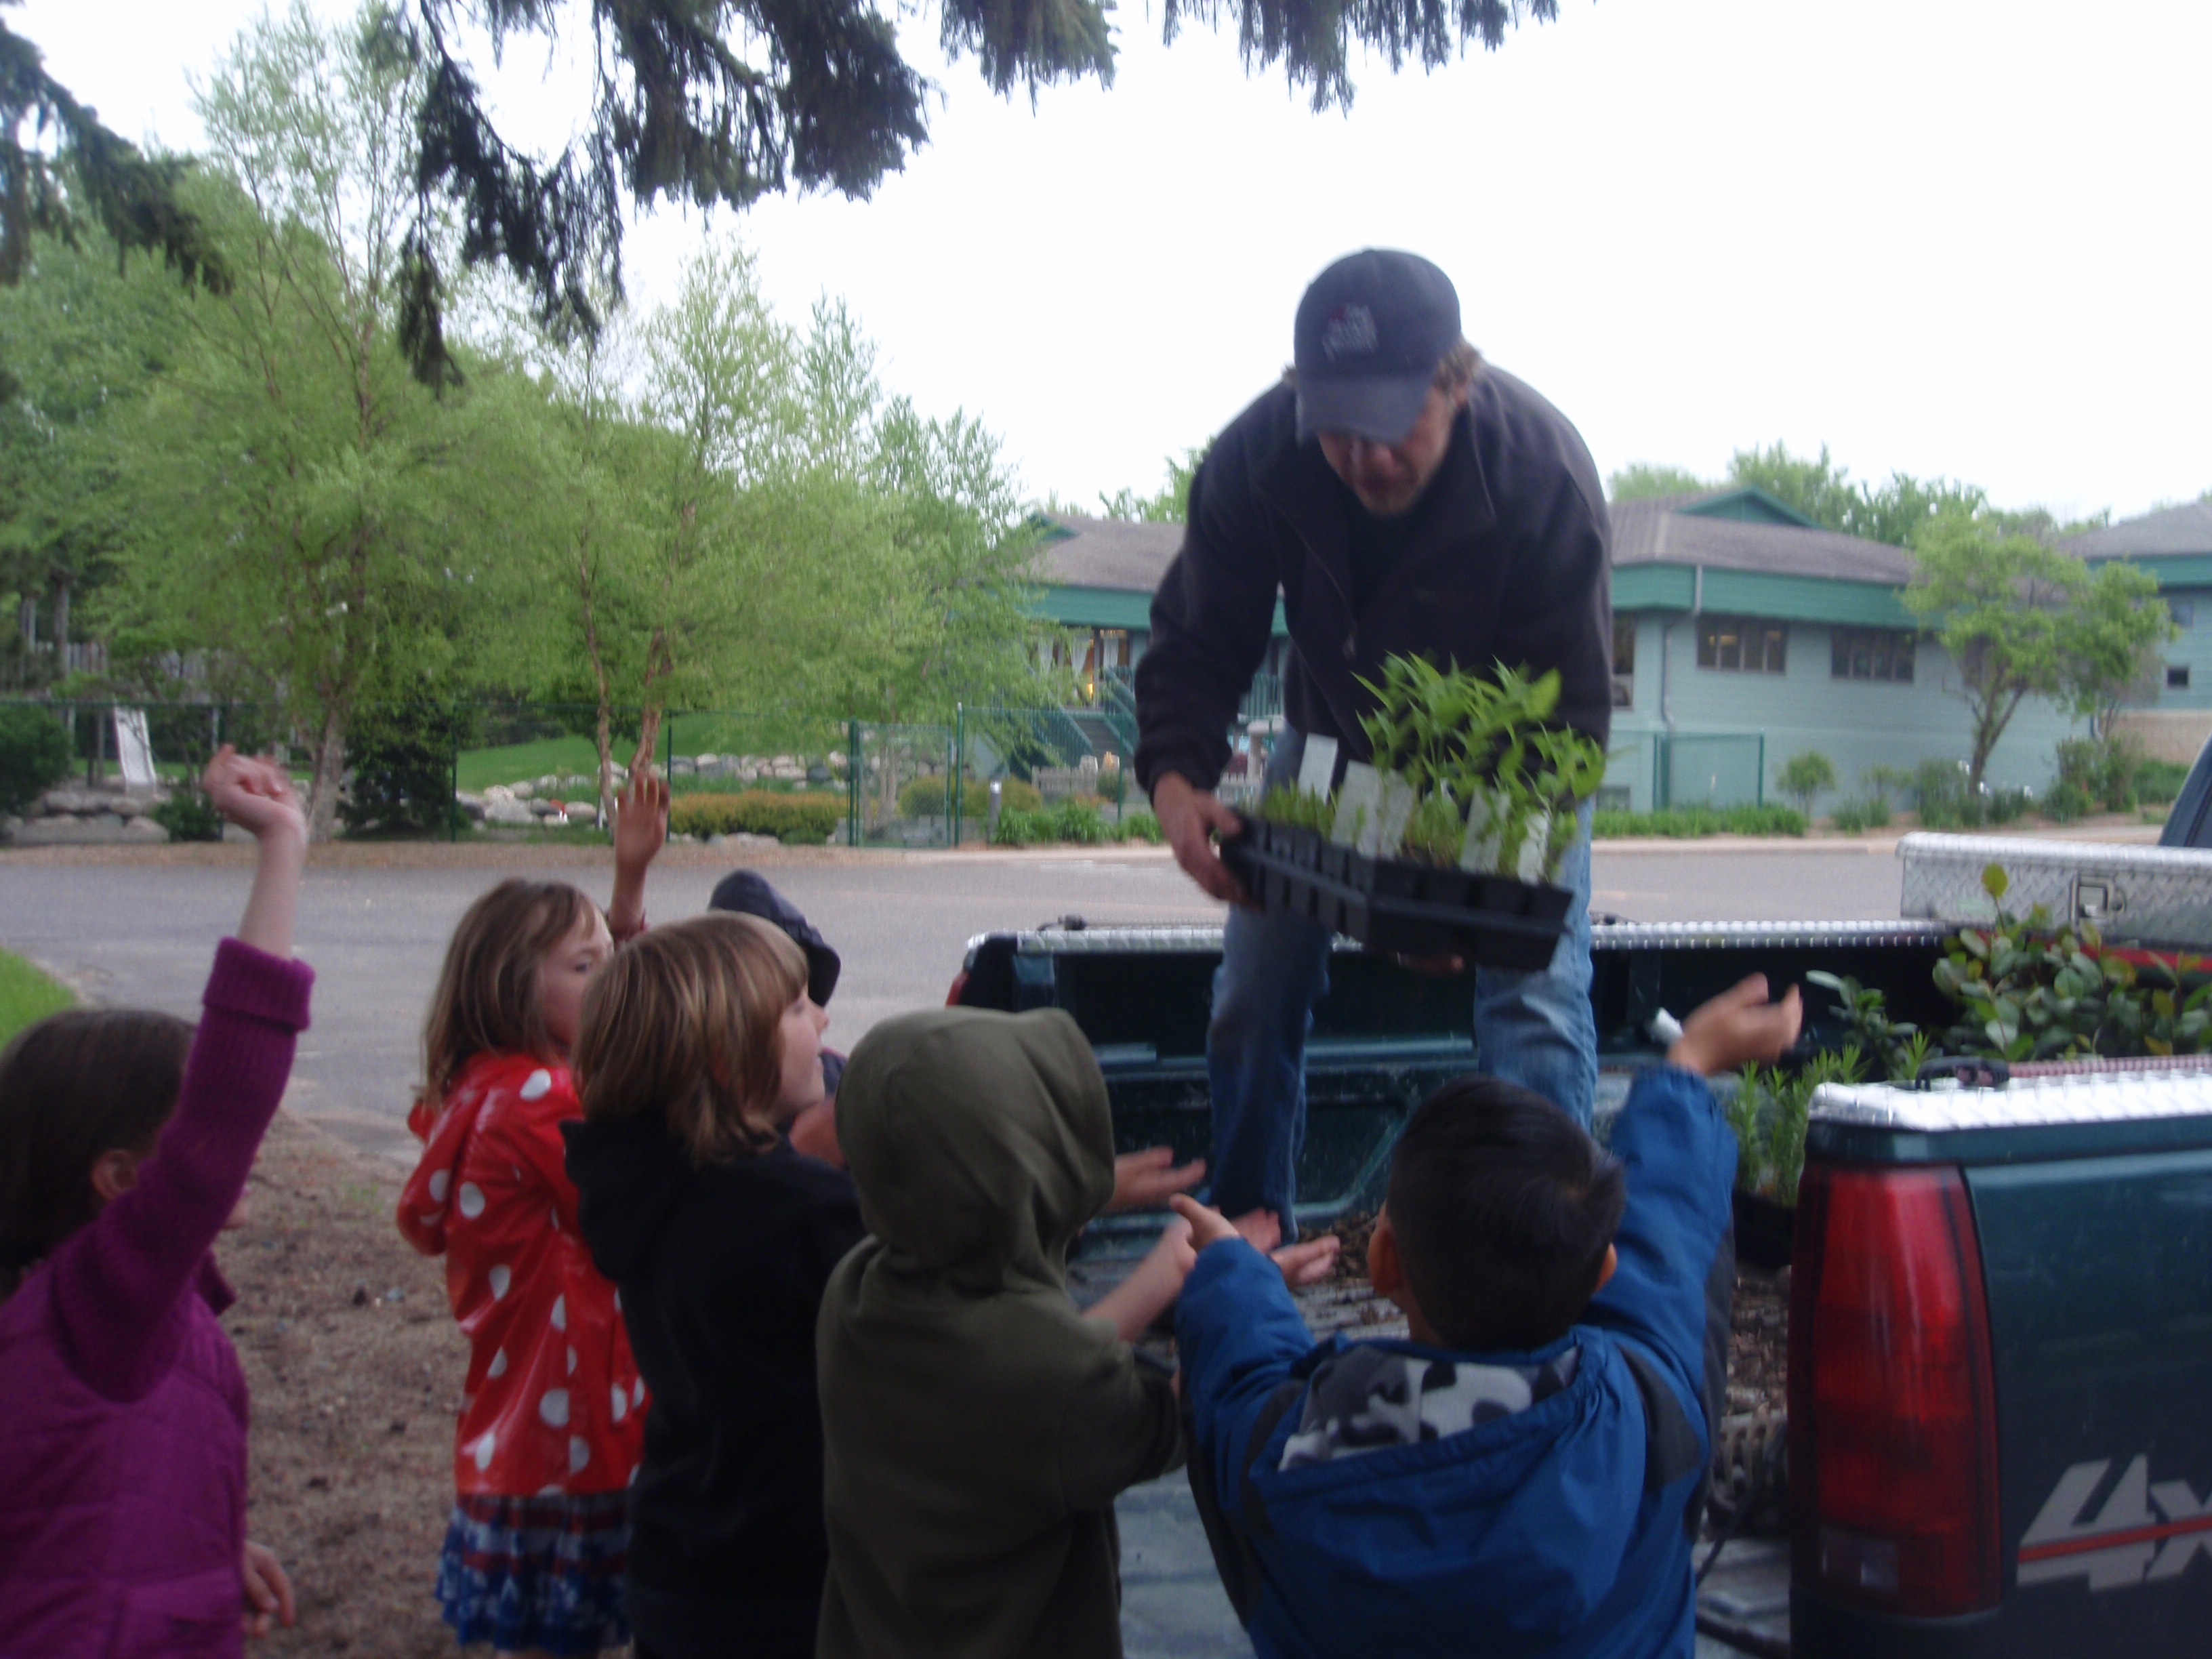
{"type": "Point", "coordinates": [1370, 1397]}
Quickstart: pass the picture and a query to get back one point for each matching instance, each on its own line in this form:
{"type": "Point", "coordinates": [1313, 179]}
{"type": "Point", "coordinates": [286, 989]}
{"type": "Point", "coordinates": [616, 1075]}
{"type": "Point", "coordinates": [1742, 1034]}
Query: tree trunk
{"type": "Point", "coordinates": [330, 767]}
{"type": "Point", "coordinates": [62, 625]}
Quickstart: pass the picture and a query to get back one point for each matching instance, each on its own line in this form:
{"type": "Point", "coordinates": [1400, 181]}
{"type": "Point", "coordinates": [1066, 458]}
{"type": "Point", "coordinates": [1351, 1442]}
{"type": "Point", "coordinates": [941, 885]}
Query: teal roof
{"type": "Point", "coordinates": [1749, 505]}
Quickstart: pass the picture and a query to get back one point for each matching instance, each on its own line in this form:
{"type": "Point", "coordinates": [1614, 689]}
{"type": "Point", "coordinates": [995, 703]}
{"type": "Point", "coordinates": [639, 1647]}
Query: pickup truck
{"type": "Point", "coordinates": [1999, 1396]}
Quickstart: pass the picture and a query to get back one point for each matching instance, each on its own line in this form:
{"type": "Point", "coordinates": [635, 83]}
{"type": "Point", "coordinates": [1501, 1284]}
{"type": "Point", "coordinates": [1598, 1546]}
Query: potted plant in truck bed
{"type": "Point", "coordinates": [1447, 842]}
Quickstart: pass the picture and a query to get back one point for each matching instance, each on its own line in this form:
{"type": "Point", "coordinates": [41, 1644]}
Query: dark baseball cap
{"type": "Point", "coordinates": [750, 894]}
{"type": "Point", "coordinates": [1371, 330]}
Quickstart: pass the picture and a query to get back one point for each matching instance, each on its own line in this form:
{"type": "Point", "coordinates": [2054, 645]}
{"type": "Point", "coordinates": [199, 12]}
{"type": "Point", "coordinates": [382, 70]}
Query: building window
{"type": "Point", "coordinates": [2183, 612]}
{"type": "Point", "coordinates": [1743, 643]}
{"type": "Point", "coordinates": [2176, 677]}
{"type": "Point", "coordinates": [1871, 653]}
{"type": "Point", "coordinates": [1624, 662]}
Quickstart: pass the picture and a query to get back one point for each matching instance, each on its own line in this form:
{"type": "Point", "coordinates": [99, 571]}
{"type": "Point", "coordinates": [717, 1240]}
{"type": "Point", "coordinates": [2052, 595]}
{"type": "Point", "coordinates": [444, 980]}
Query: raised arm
{"type": "Point", "coordinates": [1679, 1159]}
{"type": "Point", "coordinates": [117, 1280]}
{"type": "Point", "coordinates": [640, 831]}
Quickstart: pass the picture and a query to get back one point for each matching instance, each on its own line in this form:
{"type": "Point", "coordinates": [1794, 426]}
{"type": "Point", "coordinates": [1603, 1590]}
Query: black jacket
{"type": "Point", "coordinates": [721, 1272]}
{"type": "Point", "coordinates": [1508, 565]}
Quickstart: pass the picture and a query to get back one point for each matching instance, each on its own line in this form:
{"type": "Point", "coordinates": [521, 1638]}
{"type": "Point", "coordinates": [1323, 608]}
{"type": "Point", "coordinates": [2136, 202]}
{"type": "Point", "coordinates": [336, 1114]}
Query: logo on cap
{"type": "Point", "coordinates": [1350, 330]}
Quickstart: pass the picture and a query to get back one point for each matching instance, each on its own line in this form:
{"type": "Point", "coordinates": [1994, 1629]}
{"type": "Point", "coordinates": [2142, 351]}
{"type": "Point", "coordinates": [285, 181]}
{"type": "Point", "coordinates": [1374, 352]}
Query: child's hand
{"type": "Point", "coordinates": [1132, 1305]}
{"type": "Point", "coordinates": [640, 819]}
{"type": "Point", "coordinates": [1143, 1179]}
{"type": "Point", "coordinates": [268, 1592]}
{"type": "Point", "coordinates": [1208, 1225]}
{"type": "Point", "coordinates": [256, 795]}
{"type": "Point", "coordinates": [1307, 1263]}
{"type": "Point", "coordinates": [1738, 1027]}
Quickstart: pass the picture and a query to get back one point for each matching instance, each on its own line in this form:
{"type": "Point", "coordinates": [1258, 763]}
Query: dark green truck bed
{"type": "Point", "coordinates": [2000, 1365]}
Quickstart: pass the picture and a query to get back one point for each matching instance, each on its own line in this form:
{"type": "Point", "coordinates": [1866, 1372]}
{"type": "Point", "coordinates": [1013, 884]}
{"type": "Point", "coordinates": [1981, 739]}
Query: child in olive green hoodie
{"type": "Point", "coordinates": [976, 1426]}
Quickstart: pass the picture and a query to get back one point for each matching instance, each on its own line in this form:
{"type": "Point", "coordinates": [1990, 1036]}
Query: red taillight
{"type": "Point", "coordinates": [959, 984]}
{"type": "Point", "coordinates": [1892, 1415]}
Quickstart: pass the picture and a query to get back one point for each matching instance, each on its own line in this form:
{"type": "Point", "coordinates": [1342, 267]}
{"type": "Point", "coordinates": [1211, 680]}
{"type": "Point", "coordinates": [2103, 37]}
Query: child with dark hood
{"type": "Point", "coordinates": [977, 1426]}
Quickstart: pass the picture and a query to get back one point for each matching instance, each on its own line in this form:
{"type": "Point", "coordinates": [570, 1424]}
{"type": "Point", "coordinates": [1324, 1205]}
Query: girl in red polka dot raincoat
{"type": "Point", "coordinates": [552, 1416]}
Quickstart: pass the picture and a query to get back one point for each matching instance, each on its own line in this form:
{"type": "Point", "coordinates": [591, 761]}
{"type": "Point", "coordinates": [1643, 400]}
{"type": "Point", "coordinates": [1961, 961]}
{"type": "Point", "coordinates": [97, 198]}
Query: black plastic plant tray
{"type": "Point", "coordinates": [1396, 904]}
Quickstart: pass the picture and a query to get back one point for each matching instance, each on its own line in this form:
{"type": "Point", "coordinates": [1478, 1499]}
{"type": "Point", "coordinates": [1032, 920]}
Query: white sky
{"type": "Point", "coordinates": [1957, 237]}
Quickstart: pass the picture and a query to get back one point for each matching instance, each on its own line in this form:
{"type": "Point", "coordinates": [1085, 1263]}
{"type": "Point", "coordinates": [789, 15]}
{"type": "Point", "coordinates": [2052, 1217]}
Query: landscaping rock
{"type": "Point", "coordinates": [508, 811]}
{"type": "Point", "coordinates": [103, 829]}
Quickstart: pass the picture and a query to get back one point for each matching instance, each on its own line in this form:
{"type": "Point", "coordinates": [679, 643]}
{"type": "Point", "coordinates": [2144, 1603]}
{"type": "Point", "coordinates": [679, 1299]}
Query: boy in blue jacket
{"type": "Point", "coordinates": [1525, 1475]}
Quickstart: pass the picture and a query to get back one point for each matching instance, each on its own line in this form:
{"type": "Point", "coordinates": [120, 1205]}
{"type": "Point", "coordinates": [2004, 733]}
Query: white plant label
{"type": "Point", "coordinates": [1399, 800]}
{"type": "Point", "coordinates": [1530, 865]}
{"type": "Point", "coordinates": [1317, 766]}
{"type": "Point", "coordinates": [1478, 853]}
{"type": "Point", "coordinates": [1358, 806]}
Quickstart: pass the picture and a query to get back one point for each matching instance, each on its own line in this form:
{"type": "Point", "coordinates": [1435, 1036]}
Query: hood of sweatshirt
{"type": "Point", "coordinates": [630, 1178]}
{"type": "Point", "coordinates": [982, 1143]}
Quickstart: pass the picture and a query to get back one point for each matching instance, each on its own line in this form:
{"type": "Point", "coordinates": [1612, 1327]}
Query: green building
{"type": "Point", "coordinates": [1743, 634]}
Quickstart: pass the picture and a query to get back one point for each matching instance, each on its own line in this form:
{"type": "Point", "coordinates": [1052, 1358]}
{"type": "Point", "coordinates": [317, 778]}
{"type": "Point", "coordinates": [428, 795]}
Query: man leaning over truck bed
{"type": "Point", "coordinates": [1403, 497]}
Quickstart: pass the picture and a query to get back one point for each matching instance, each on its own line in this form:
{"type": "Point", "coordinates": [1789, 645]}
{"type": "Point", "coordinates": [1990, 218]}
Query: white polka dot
{"type": "Point", "coordinates": [498, 1366]}
{"type": "Point", "coordinates": [579, 1452]}
{"type": "Point", "coordinates": [483, 1453]}
{"type": "Point", "coordinates": [621, 1403]}
{"type": "Point", "coordinates": [552, 1489]}
{"type": "Point", "coordinates": [637, 1392]}
{"type": "Point", "coordinates": [554, 1408]}
{"type": "Point", "coordinates": [617, 1301]}
{"type": "Point", "coordinates": [553, 1217]}
{"type": "Point", "coordinates": [560, 1313]}
{"type": "Point", "coordinates": [534, 1085]}
{"type": "Point", "coordinates": [501, 1277]}
{"type": "Point", "coordinates": [440, 1181]}
{"type": "Point", "coordinates": [572, 1362]}
{"type": "Point", "coordinates": [471, 1200]}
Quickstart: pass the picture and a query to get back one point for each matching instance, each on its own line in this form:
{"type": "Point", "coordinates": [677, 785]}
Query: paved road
{"type": "Point", "coordinates": [139, 934]}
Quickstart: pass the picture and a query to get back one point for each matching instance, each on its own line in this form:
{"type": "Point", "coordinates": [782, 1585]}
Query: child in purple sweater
{"type": "Point", "coordinates": [126, 1138]}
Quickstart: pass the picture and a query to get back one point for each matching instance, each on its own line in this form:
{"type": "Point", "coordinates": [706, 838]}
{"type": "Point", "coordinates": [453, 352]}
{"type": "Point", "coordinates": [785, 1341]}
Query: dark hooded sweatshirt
{"type": "Point", "coordinates": [720, 1271]}
{"type": "Point", "coordinates": [976, 1427]}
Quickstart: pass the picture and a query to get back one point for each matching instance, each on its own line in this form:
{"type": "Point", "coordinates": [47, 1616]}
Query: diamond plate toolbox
{"type": "Point", "coordinates": [2154, 895]}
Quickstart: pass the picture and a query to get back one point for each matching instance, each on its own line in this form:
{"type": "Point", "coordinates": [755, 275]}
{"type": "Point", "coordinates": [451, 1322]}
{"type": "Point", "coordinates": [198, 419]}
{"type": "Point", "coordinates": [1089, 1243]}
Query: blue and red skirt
{"type": "Point", "coordinates": [537, 1572]}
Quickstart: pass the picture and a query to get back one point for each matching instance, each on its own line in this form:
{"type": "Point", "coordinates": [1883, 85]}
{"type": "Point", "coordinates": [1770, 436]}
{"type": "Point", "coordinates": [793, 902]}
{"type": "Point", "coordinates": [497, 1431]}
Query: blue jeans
{"type": "Point", "coordinates": [1533, 1029]}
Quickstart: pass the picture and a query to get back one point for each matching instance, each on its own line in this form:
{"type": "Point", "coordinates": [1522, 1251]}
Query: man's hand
{"type": "Point", "coordinates": [1143, 1179]}
{"type": "Point", "coordinates": [1190, 819]}
{"type": "Point", "coordinates": [1738, 1027]}
{"type": "Point", "coordinates": [1307, 1263]}
{"type": "Point", "coordinates": [267, 1591]}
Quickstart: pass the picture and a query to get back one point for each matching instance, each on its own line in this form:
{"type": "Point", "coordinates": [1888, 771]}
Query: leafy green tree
{"type": "Point", "coordinates": [86, 334]}
{"type": "Point", "coordinates": [1642, 480]}
{"type": "Point", "coordinates": [2115, 632]}
{"type": "Point", "coordinates": [709, 101]}
{"type": "Point", "coordinates": [1170, 504]}
{"type": "Point", "coordinates": [1998, 602]}
{"type": "Point", "coordinates": [310, 515]}
{"type": "Point", "coordinates": [63, 174]}
{"type": "Point", "coordinates": [1825, 493]}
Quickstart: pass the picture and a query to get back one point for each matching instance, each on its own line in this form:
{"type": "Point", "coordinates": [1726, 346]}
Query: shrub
{"type": "Point", "coordinates": [2005, 806]}
{"type": "Point", "coordinates": [2065, 801]}
{"type": "Point", "coordinates": [2158, 782]}
{"type": "Point", "coordinates": [1803, 776]}
{"type": "Point", "coordinates": [1019, 795]}
{"type": "Point", "coordinates": [796, 820]}
{"type": "Point", "coordinates": [1686, 823]}
{"type": "Point", "coordinates": [1141, 826]}
{"type": "Point", "coordinates": [924, 798]}
{"type": "Point", "coordinates": [35, 755]}
{"type": "Point", "coordinates": [1072, 821]}
{"type": "Point", "coordinates": [1020, 829]}
{"type": "Point", "coordinates": [188, 815]}
{"type": "Point", "coordinates": [1939, 788]}
{"type": "Point", "coordinates": [401, 757]}
{"type": "Point", "coordinates": [1857, 817]}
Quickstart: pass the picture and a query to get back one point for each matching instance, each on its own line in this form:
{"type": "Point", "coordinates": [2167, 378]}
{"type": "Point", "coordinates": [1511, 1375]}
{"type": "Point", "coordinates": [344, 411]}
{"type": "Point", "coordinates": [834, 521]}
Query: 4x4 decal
{"type": "Point", "coordinates": [2125, 1543]}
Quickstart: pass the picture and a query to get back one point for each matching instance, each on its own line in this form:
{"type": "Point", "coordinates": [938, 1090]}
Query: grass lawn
{"type": "Point", "coordinates": [513, 761]}
{"type": "Point", "coordinates": [26, 994]}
